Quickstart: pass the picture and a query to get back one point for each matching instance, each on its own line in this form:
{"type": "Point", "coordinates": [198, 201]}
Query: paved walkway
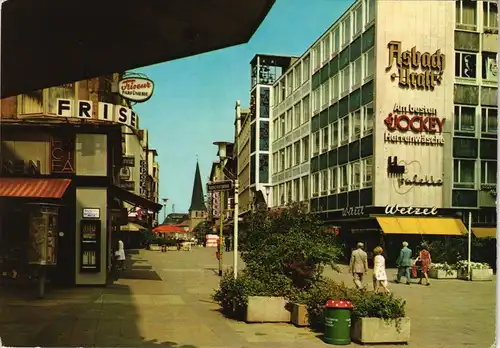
{"type": "Point", "coordinates": [165, 299]}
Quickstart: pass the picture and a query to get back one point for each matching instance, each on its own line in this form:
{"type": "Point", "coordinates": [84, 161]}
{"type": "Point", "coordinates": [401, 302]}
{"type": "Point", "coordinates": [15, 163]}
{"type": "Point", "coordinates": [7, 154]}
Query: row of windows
{"type": "Point", "coordinates": [357, 124]}
{"type": "Point", "coordinates": [296, 190]}
{"type": "Point", "coordinates": [294, 117]}
{"type": "Point", "coordinates": [464, 173]}
{"type": "Point", "coordinates": [467, 120]}
{"type": "Point", "coordinates": [347, 177]}
{"type": "Point", "coordinates": [297, 76]}
{"type": "Point", "coordinates": [342, 34]}
{"type": "Point", "coordinates": [349, 78]}
{"type": "Point", "coordinates": [291, 156]}
{"type": "Point", "coordinates": [467, 14]}
{"type": "Point", "coordinates": [468, 67]}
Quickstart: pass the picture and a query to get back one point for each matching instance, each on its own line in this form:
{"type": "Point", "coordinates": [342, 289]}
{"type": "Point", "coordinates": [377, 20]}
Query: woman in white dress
{"type": "Point", "coordinates": [379, 273]}
{"type": "Point", "coordinates": [120, 254]}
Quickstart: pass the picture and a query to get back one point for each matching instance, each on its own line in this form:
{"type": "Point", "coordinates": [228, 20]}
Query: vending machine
{"type": "Point", "coordinates": [90, 246]}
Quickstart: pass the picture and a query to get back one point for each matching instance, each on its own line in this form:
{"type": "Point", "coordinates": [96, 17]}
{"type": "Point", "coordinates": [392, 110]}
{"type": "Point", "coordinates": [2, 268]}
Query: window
{"type": "Point", "coordinates": [324, 182]}
{"type": "Point", "coordinates": [346, 30]}
{"type": "Point", "coordinates": [367, 119]}
{"type": "Point", "coordinates": [275, 95]}
{"type": "Point", "coordinates": [465, 65]}
{"type": "Point", "coordinates": [296, 153]}
{"type": "Point", "coordinates": [282, 194]}
{"type": "Point", "coordinates": [369, 61]}
{"type": "Point", "coordinates": [282, 90]}
{"type": "Point", "coordinates": [316, 143]}
{"type": "Point", "coordinates": [369, 10]}
{"type": "Point", "coordinates": [325, 90]}
{"type": "Point", "coordinates": [316, 99]}
{"type": "Point", "coordinates": [344, 81]}
{"type": "Point", "coordinates": [289, 120]}
{"type": "Point", "coordinates": [356, 124]}
{"type": "Point", "coordinates": [466, 14]}
{"type": "Point", "coordinates": [334, 88]}
{"type": "Point", "coordinates": [343, 178]}
{"type": "Point", "coordinates": [306, 112]}
{"type": "Point", "coordinates": [356, 72]}
{"type": "Point", "coordinates": [296, 115]}
{"type": "Point", "coordinates": [490, 67]}
{"type": "Point", "coordinates": [315, 184]}
{"type": "Point", "coordinates": [305, 149]}
{"type": "Point", "coordinates": [344, 130]}
{"type": "Point", "coordinates": [490, 13]}
{"type": "Point", "coordinates": [355, 175]}
{"type": "Point", "coordinates": [289, 156]}
{"type": "Point", "coordinates": [324, 137]}
{"type": "Point", "coordinates": [276, 129]}
{"type": "Point", "coordinates": [289, 83]}
{"type": "Point", "coordinates": [282, 160]}
{"type": "Point", "coordinates": [276, 162]}
{"type": "Point", "coordinates": [306, 68]}
{"type": "Point", "coordinates": [298, 76]}
{"type": "Point", "coordinates": [282, 125]}
{"type": "Point", "coordinates": [488, 172]}
{"type": "Point", "coordinates": [288, 188]}
{"type": "Point", "coordinates": [305, 188]}
{"type": "Point", "coordinates": [336, 40]}
{"type": "Point", "coordinates": [335, 135]}
{"type": "Point", "coordinates": [465, 117]}
{"type": "Point", "coordinates": [333, 180]}
{"type": "Point", "coordinates": [317, 57]}
{"type": "Point", "coordinates": [489, 120]}
{"type": "Point", "coordinates": [296, 190]}
{"type": "Point", "coordinates": [326, 47]}
{"type": "Point", "coordinates": [367, 168]}
{"type": "Point", "coordinates": [275, 196]}
{"type": "Point", "coordinates": [357, 21]}
{"type": "Point", "coordinates": [463, 173]}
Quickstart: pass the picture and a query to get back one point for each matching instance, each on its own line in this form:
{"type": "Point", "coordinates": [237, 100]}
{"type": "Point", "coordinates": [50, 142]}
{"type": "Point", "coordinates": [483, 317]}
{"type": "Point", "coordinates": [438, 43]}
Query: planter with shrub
{"type": "Point", "coordinates": [442, 271]}
{"type": "Point", "coordinates": [480, 271]}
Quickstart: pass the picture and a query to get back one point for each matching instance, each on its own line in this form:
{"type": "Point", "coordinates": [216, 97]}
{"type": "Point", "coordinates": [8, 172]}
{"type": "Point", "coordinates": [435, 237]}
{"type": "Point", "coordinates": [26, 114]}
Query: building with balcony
{"type": "Point", "coordinates": [404, 122]}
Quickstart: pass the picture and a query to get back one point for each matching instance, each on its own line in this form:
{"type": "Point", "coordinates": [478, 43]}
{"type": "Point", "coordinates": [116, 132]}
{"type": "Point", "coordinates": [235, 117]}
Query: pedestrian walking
{"type": "Point", "coordinates": [227, 242]}
{"type": "Point", "coordinates": [379, 273]}
{"type": "Point", "coordinates": [424, 261]}
{"type": "Point", "coordinates": [404, 264]}
{"type": "Point", "coordinates": [358, 265]}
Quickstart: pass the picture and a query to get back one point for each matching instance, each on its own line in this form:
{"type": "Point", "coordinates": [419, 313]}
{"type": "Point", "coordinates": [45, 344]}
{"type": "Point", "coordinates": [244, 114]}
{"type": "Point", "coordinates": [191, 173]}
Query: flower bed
{"type": "Point", "coordinates": [442, 271]}
{"type": "Point", "coordinates": [480, 271]}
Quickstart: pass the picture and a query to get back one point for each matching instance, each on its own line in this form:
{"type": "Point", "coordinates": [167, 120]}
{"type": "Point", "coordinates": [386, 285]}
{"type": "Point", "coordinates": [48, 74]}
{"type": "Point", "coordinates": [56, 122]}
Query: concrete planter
{"type": "Point", "coordinates": [478, 274]}
{"type": "Point", "coordinates": [376, 330]}
{"type": "Point", "coordinates": [441, 274]}
{"type": "Point", "coordinates": [266, 309]}
{"type": "Point", "coordinates": [299, 315]}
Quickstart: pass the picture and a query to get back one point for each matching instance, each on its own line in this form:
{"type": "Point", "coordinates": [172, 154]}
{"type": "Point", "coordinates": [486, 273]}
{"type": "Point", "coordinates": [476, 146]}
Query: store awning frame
{"type": "Point", "coordinates": [132, 227]}
{"type": "Point", "coordinates": [33, 187]}
{"type": "Point", "coordinates": [422, 225]}
{"type": "Point", "coordinates": [135, 200]}
{"type": "Point", "coordinates": [484, 232]}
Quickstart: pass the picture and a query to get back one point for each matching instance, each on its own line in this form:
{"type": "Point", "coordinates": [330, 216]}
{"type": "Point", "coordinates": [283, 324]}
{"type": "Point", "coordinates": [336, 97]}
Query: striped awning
{"type": "Point", "coordinates": [33, 188]}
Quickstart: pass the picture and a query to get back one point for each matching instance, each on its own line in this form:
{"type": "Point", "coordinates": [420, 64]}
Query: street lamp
{"type": "Point", "coordinates": [268, 189]}
{"type": "Point", "coordinates": [165, 200]}
{"type": "Point", "coordinates": [222, 146]}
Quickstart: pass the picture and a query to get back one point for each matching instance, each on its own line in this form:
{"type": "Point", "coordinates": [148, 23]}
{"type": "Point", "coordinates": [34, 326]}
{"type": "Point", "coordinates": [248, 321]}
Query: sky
{"type": "Point", "coordinates": [194, 98]}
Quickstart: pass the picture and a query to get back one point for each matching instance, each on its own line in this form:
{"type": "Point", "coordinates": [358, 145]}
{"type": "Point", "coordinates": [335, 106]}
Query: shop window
{"type": "Point", "coordinates": [355, 175]}
{"type": "Point", "coordinates": [343, 184]}
{"type": "Point", "coordinates": [489, 120]}
{"type": "Point", "coordinates": [488, 172]}
{"type": "Point", "coordinates": [324, 182]}
{"type": "Point", "coordinates": [316, 142]}
{"type": "Point", "coordinates": [325, 140]}
{"type": "Point", "coordinates": [335, 135]}
{"type": "Point", "coordinates": [356, 124]}
{"type": "Point", "coordinates": [465, 118]}
{"type": "Point", "coordinates": [344, 129]}
{"type": "Point", "coordinates": [91, 154]}
{"type": "Point", "coordinates": [463, 173]}
{"type": "Point", "coordinates": [315, 184]}
{"type": "Point", "coordinates": [466, 14]}
{"type": "Point", "coordinates": [305, 149]}
{"type": "Point", "coordinates": [367, 119]}
{"type": "Point", "coordinates": [465, 65]}
{"type": "Point", "coordinates": [490, 14]}
{"type": "Point", "coordinates": [306, 68]}
{"type": "Point", "coordinates": [333, 180]}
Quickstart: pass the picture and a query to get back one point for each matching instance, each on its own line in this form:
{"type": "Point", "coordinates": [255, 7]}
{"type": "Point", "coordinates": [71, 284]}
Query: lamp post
{"type": "Point", "coordinates": [268, 189]}
{"type": "Point", "coordinates": [165, 200]}
{"type": "Point", "coordinates": [222, 145]}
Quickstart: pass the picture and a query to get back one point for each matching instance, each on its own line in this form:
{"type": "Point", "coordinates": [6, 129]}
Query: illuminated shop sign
{"type": "Point", "coordinates": [415, 69]}
{"type": "Point", "coordinates": [396, 209]}
{"type": "Point", "coordinates": [398, 168]}
{"type": "Point", "coordinates": [136, 89]}
{"type": "Point", "coordinates": [84, 109]}
{"type": "Point", "coordinates": [422, 123]}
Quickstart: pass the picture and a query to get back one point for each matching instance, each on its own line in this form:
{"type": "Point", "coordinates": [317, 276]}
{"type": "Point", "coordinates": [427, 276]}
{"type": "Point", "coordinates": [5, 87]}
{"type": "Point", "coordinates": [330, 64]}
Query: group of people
{"type": "Point", "coordinates": [407, 266]}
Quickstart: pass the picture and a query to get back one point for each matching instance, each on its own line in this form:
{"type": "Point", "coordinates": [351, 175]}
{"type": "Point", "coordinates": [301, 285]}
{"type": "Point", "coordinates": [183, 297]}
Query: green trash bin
{"type": "Point", "coordinates": [338, 322]}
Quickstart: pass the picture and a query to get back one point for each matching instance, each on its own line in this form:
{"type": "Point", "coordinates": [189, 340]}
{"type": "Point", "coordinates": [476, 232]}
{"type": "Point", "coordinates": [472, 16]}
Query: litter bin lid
{"type": "Point", "coordinates": [338, 304]}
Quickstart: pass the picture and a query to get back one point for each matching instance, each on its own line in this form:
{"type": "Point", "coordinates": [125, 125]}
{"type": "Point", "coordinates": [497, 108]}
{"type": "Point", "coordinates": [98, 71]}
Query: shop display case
{"type": "Point", "coordinates": [43, 231]}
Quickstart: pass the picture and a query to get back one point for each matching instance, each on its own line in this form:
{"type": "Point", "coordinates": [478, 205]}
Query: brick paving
{"type": "Point", "coordinates": [165, 299]}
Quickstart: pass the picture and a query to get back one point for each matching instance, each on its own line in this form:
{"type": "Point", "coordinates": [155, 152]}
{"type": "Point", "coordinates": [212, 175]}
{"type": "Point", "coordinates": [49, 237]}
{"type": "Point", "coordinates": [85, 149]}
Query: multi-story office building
{"type": "Point", "coordinates": [242, 151]}
{"type": "Point", "coordinates": [404, 120]}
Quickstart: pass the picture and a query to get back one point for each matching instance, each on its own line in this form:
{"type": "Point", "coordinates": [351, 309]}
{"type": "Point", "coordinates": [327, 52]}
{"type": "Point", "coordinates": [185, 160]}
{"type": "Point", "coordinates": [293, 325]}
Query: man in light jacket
{"type": "Point", "coordinates": [358, 265]}
{"type": "Point", "coordinates": [404, 263]}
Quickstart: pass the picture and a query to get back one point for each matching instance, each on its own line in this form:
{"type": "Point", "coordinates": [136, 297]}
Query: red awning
{"type": "Point", "coordinates": [35, 188]}
{"type": "Point", "coordinates": [168, 229]}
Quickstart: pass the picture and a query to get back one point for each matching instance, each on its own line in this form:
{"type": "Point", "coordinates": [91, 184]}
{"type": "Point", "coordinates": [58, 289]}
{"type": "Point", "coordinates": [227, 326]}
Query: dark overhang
{"type": "Point", "coordinates": [51, 42]}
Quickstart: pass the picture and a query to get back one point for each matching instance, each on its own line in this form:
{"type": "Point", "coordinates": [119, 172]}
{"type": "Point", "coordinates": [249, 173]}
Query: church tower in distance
{"type": "Point", "coordinates": [197, 210]}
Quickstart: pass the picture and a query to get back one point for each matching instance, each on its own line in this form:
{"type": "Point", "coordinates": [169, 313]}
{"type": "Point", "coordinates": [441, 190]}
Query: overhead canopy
{"type": "Point", "coordinates": [484, 232]}
{"type": "Point", "coordinates": [33, 188]}
{"type": "Point", "coordinates": [136, 200]}
{"type": "Point", "coordinates": [168, 229]}
{"type": "Point", "coordinates": [51, 42]}
{"type": "Point", "coordinates": [131, 227]}
{"type": "Point", "coordinates": [422, 225]}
